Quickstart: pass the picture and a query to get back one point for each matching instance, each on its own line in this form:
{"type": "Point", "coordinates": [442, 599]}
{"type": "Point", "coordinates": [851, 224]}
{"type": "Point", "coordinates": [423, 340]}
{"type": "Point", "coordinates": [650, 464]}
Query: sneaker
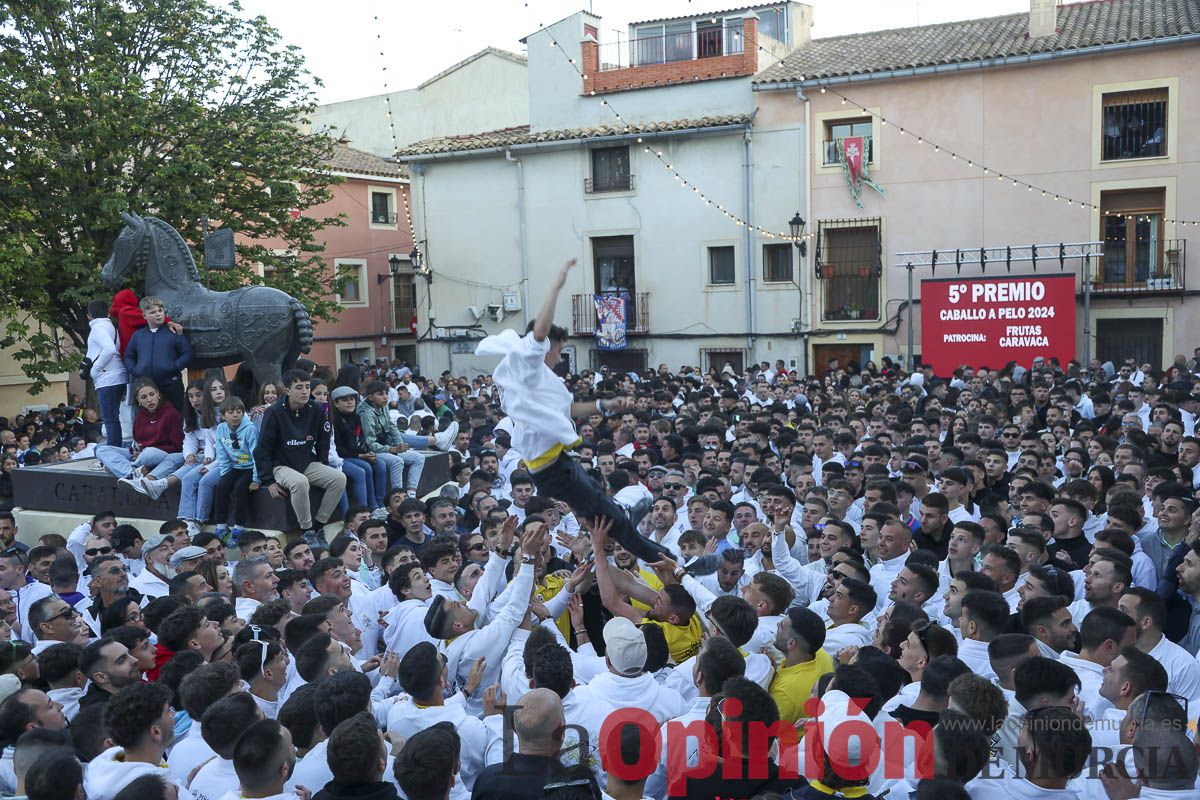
{"type": "Point", "coordinates": [222, 533]}
{"type": "Point", "coordinates": [99, 466]}
{"type": "Point", "coordinates": [234, 534]}
{"type": "Point", "coordinates": [136, 484]}
{"type": "Point", "coordinates": [154, 488]}
{"type": "Point", "coordinates": [315, 537]}
{"type": "Point", "coordinates": [445, 440]}
{"type": "Point", "coordinates": [193, 527]}
{"type": "Point", "coordinates": [379, 513]}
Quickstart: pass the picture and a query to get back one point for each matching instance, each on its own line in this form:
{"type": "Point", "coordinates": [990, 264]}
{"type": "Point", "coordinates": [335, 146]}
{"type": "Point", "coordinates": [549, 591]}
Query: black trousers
{"type": "Point", "coordinates": [234, 487]}
{"type": "Point", "coordinates": [565, 480]}
{"type": "Point", "coordinates": [173, 392]}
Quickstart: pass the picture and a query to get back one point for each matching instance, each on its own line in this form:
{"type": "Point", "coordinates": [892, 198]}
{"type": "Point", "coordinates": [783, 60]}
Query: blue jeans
{"type": "Point", "coordinates": [412, 440]}
{"type": "Point", "coordinates": [360, 484]}
{"type": "Point", "coordinates": [119, 462]}
{"type": "Point", "coordinates": [396, 462]}
{"type": "Point", "coordinates": [110, 412]}
{"type": "Point", "coordinates": [196, 492]}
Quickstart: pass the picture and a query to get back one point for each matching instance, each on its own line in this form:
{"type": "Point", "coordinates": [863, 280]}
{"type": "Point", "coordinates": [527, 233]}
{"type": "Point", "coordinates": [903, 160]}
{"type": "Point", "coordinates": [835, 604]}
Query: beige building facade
{"type": "Point", "coordinates": [1097, 111]}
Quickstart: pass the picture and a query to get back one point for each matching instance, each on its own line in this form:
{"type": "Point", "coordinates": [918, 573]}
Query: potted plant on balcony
{"type": "Point", "coordinates": [1160, 278]}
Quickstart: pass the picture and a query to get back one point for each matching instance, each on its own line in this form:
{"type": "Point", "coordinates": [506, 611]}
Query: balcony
{"type": "Point", "coordinates": [583, 314]}
{"type": "Point", "coordinates": [1152, 271]}
{"type": "Point", "coordinates": [706, 53]}
{"type": "Point", "coordinates": [403, 320]}
{"type": "Point", "coordinates": [831, 150]}
{"type": "Point", "coordinates": [615, 183]}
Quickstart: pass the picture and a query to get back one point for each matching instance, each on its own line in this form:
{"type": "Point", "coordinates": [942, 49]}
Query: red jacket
{"type": "Point", "coordinates": [162, 429]}
{"type": "Point", "coordinates": [161, 656]}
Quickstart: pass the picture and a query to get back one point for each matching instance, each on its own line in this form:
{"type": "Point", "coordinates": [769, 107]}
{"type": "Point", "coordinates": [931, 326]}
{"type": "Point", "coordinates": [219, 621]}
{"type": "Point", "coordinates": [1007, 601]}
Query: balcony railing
{"type": "Point", "coordinates": [831, 151]}
{"type": "Point", "coordinates": [378, 218]}
{"type": "Point", "coordinates": [403, 319]}
{"type": "Point", "coordinates": [672, 47]}
{"type": "Point", "coordinates": [1154, 270]}
{"type": "Point", "coordinates": [616, 183]}
{"type": "Point", "coordinates": [583, 314]}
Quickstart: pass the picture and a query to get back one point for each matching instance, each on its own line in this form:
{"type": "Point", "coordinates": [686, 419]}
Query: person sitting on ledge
{"type": "Point", "coordinates": [157, 440]}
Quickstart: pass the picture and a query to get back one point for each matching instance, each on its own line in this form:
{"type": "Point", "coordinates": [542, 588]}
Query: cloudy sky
{"type": "Point", "coordinates": [419, 39]}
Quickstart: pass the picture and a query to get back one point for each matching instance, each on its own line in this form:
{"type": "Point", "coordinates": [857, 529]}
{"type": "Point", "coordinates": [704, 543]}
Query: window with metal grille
{"type": "Point", "coordinates": [1135, 125]}
{"type": "Point", "coordinates": [610, 170]}
{"type": "Point", "coordinates": [381, 209]}
{"type": "Point", "coordinates": [777, 263]}
{"type": "Point", "coordinates": [720, 266]}
{"type": "Point", "coordinates": [849, 254]}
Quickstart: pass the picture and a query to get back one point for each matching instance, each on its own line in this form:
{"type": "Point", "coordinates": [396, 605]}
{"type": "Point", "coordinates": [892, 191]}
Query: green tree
{"type": "Point", "coordinates": [173, 108]}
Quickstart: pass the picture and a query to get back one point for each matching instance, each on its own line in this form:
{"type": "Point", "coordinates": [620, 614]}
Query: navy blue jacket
{"type": "Point", "coordinates": [159, 356]}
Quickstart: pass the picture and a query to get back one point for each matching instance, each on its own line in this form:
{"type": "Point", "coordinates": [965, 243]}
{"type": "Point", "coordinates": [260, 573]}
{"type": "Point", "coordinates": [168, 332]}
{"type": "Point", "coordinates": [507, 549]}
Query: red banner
{"type": "Point", "coordinates": [991, 321]}
{"type": "Point", "coordinates": [852, 151]}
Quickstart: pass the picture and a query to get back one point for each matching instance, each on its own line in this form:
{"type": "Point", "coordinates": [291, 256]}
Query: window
{"type": "Point", "coordinates": [383, 208]}
{"type": "Point", "coordinates": [610, 170]}
{"type": "Point", "coordinates": [1132, 224]}
{"type": "Point", "coordinates": [840, 129]}
{"type": "Point", "coordinates": [777, 263]}
{"type": "Point", "coordinates": [350, 354]}
{"type": "Point", "coordinates": [613, 259]}
{"type": "Point", "coordinates": [772, 22]}
{"type": "Point", "coordinates": [349, 282]}
{"type": "Point", "coordinates": [720, 266]}
{"type": "Point", "coordinates": [1135, 125]}
{"type": "Point", "coordinates": [849, 254]}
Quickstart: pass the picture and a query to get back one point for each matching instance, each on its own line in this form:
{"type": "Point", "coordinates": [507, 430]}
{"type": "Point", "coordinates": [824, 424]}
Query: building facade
{"type": "Point", "coordinates": [1091, 102]}
{"type": "Point", "coordinates": [644, 159]}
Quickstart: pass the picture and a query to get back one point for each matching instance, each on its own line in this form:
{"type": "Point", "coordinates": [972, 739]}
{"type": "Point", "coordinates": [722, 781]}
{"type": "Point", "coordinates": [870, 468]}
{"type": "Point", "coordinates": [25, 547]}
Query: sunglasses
{"type": "Point", "coordinates": [672, 485]}
{"type": "Point", "coordinates": [97, 551]}
{"type": "Point", "coordinates": [1183, 701]}
{"type": "Point", "coordinates": [66, 613]}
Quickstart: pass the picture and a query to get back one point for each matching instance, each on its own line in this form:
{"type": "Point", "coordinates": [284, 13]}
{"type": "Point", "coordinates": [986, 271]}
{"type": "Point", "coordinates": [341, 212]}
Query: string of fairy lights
{"type": "Point", "coordinates": [391, 123]}
{"type": "Point", "coordinates": [920, 139]}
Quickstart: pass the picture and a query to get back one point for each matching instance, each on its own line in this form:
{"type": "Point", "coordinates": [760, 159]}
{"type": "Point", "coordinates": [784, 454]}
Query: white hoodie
{"type": "Point", "coordinates": [609, 692]}
{"type": "Point", "coordinates": [479, 747]}
{"type": "Point", "coordinates": [109, 773]}
{"type": "Point", "coordinates": [107, 367]}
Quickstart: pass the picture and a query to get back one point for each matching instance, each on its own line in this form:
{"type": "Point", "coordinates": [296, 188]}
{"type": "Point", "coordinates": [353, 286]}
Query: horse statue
{"type": "Point", "coordinates": [259, 326]}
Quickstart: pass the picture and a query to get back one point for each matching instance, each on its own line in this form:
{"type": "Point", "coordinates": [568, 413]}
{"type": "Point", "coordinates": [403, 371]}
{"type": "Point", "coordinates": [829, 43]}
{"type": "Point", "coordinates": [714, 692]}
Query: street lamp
{"type": "Point", "coordinates": [796, 223]}
{"type": "Point", "coordinates": [393, 269]}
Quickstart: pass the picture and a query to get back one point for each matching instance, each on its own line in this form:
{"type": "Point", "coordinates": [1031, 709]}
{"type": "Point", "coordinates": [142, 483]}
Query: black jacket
{"type": "Point", "coordinates": [293, 439]}
{"type": "Point", "coordinates": [717, 785]}
{"type": "Point", "coordinates": [347, 434]}
{"type": "Point", "coordinates": [94, 695]}
{"type": "Point", "coordinates": [518, 778]}
{"type": "Point", "coordinates": [357, 791]}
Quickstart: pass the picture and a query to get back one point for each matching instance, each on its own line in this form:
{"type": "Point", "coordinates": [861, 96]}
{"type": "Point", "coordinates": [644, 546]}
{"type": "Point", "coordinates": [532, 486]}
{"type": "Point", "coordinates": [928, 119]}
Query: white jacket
{"type": "Point", "coordinates": [107, 367]}
{"type": "Point", "coordinates": [478, 745]}
{"type": "Point", "coordinates": [108, 773]}
{"type": "Point", "coordinates": [609, 692]}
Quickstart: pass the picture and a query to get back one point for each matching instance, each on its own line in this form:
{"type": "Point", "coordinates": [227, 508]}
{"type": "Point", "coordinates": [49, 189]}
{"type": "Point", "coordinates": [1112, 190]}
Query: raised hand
{"type": "Point", "coordinates": [533, 539]}
{"type": "Point", "coordinates": [475, 677]}
{"type": "Point", "coordinates": [600, 528]}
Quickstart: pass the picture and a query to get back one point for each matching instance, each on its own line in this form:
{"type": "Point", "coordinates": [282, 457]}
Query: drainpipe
{"type": "Point", "coordinates": [521, 224]}
{"type": "Point", "coordinates": [806, 287]}
{"type": "Point", "coordinates": [751, 319]}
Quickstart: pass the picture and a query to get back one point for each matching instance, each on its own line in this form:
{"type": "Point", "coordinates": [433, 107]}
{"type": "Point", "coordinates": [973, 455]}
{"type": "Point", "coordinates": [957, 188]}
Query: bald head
{"type": "Point", "coordinates": [539, 721]}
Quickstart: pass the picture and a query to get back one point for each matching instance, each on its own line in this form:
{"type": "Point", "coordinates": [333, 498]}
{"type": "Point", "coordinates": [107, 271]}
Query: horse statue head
{"type": "Point", "coordinates": [129, 251]}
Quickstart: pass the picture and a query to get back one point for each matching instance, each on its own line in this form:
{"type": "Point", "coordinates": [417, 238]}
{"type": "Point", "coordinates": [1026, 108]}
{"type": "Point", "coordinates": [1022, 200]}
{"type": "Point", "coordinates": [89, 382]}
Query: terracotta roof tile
{"type": "Point", "coordinates": [1080, 25]}
{"type": "Point", "coordinates": [506, 137]}
{"type": "Point", "coordinates": [347, 159]}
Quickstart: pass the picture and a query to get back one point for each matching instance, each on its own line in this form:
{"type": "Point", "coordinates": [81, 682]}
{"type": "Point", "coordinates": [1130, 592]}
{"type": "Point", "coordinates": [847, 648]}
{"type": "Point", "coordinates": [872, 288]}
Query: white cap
{"type": "Point", "coordinates": [625, 647]}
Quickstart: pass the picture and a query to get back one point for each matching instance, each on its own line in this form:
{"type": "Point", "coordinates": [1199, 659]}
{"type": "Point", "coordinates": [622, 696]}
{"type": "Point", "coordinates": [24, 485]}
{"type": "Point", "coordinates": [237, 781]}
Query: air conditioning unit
{"type": "Point", "coordinates": [495, 311]}
{"type": "Point", "coordinates": [512, 301]}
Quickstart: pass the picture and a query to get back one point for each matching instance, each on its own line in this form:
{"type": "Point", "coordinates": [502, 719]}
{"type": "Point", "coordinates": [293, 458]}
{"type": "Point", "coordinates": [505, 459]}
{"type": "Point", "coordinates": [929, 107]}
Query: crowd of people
{"type": "Point", "coordinates": [672, 584]}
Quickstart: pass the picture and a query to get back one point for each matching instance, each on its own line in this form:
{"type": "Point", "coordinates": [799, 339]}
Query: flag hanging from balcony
{"type": "Point", "coordinates": [854, 158]}
{"type": "Point", "coordinates": [612, 311]}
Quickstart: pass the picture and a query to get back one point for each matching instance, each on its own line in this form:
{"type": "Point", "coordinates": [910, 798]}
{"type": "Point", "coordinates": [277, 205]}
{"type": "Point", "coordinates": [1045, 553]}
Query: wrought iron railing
{"type": "Point", "coordinates": [583, 313]}
{"type": "Point", "coordinates": [1155, 267]}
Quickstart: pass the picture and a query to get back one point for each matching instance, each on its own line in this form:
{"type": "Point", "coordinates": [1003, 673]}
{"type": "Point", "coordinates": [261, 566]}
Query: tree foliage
{"type": "Point", "coordinates": [173, 108]}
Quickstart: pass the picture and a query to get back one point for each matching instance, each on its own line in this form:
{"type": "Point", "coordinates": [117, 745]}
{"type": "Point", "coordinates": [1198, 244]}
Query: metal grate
{"type": "Point", "coordinates": [849, 263]}
{"type": "Point", "coordinates": [1135, 125]}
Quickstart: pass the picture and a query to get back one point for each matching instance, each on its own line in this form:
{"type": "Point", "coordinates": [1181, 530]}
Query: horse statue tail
{"type": "Point", "coordinates": [304, 326]}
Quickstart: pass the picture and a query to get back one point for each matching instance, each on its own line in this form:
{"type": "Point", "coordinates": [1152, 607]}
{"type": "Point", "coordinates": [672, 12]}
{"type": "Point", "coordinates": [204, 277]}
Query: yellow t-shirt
{"type": "Point", "coordinates": [683, 641]}
{"type": "Point", "coordinates": [550, 586]}
{"type": "Point", "coordinates": [653, 582]}
{"type": "Point", "coordinates": [792, 686]}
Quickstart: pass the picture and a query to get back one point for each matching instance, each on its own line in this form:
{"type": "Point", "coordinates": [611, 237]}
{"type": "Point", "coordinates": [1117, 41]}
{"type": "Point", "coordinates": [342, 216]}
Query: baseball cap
{"type": "Point", "coordinates": [157, 540]}
{"type": "Point", "coordinates": [189, 553]}
{"type": "Point", "coordinates": [435, 617]}
{"type": "Point", "coordinates": [657, 469]}
{"type": "Point", "coordinates": [342, 391]}
{"type": "Point", "coordinates": [625, 647]}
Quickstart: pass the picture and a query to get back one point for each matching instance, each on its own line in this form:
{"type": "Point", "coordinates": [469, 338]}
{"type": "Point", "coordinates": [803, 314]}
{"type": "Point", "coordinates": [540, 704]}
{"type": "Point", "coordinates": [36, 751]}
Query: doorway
{"type": "Point", "coordinates": [1122, 338]}
{"type": "Point", "coordinates": [614, 270]}
{"type": "Point", "coordinates": [717, 359]}
{"type": "Point", "coordinates": [848, 354]}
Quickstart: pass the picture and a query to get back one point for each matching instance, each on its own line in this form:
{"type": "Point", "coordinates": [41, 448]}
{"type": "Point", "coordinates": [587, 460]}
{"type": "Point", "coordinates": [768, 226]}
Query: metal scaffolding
{"type": "Point", "coordinates": [1049, 255]}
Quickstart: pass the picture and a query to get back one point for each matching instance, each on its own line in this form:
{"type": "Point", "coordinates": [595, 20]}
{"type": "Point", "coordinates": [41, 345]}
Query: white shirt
{"type": "Point", "coordinates": [214, 780]}
{"type": "Point", "coordinates": [975, 655]}
{"type": "Point", "coordinates": [882, 575]}
{"type": "Point", "coordinates": [849, 634]}
{"type": "Point", "coordinates": [245, 607]}
{"type": "Point", "coordinates": [1183, 670]}
{"type": "Point", "coordinates": [149, 584]}
{"type": "Point", "coordinates": [533, 397]}
{"type": "Point", "coordinates": [1090, 675]}
{"type": "Point", "coordinates": [187, 754]}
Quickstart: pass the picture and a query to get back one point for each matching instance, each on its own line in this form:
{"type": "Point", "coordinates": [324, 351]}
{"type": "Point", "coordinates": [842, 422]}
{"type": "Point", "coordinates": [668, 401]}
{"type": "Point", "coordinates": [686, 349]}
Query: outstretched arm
{"type": "Point", "coordinates": [609, 596]}
{"type": "Point", "coordinates": [545, 317]}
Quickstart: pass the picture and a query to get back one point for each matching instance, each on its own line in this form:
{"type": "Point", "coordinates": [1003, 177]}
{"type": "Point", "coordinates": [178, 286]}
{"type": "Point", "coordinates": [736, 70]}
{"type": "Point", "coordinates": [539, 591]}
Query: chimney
{"type": "Point", "coordinates": [1043, 18]}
